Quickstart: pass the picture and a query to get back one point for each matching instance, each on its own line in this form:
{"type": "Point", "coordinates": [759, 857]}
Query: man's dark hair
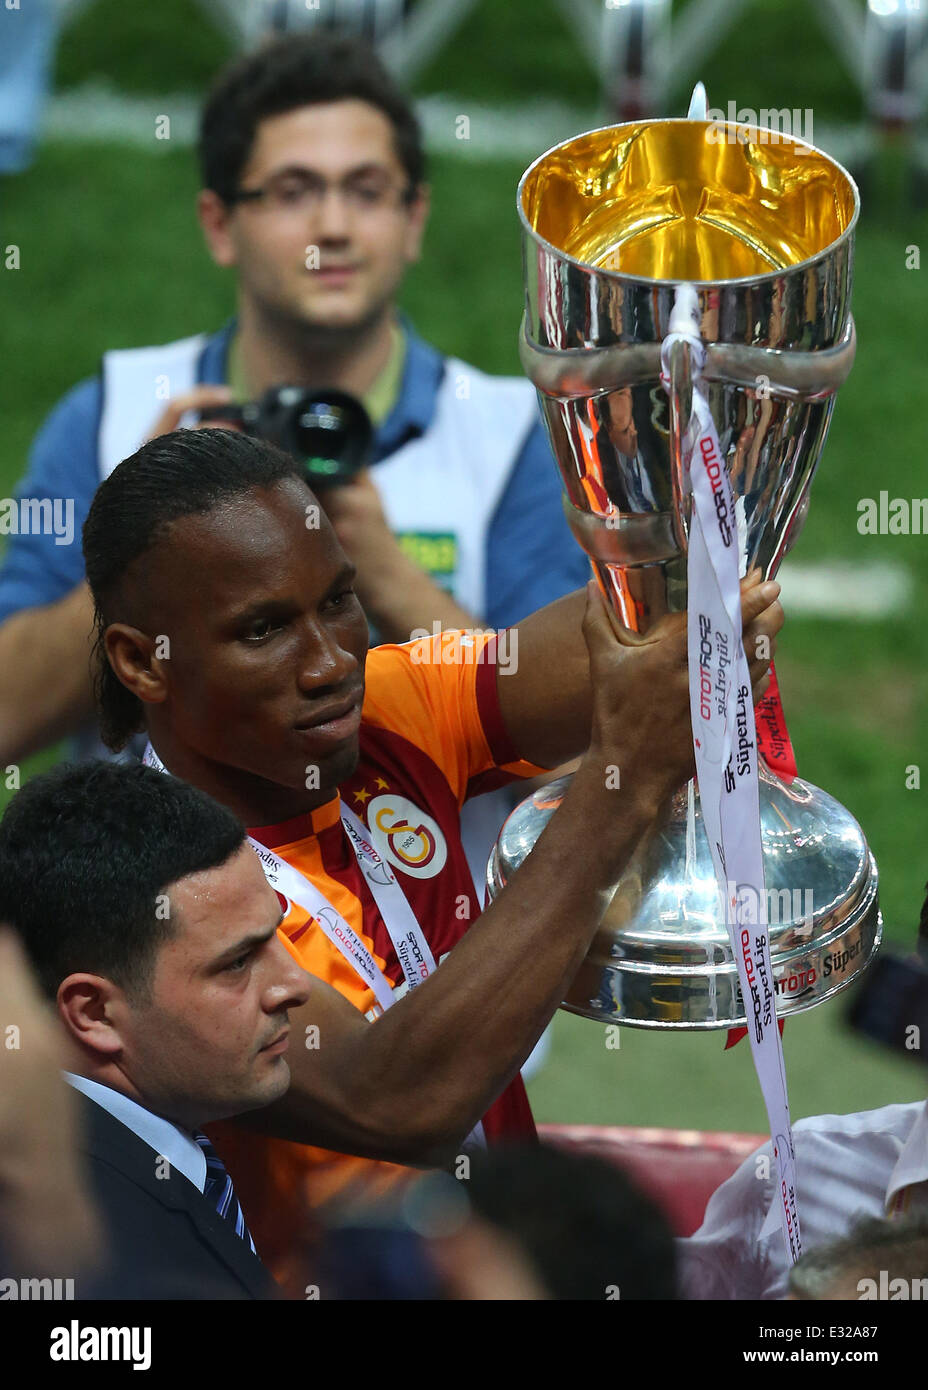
{"type": "Point", "coordinates": [583, 1225]}
{"type": "Point", "coordinates": [288, 73]}
{"type": "Point", "coordinates": [87, 852]}
{"type": "Point", "coordinates": [185, 473]}
{"type": "Point", "coordinates": [898, 1248]}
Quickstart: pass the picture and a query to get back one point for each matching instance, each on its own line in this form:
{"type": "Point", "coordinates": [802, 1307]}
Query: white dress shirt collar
{"type": "Point", "coordinates": [912, 1167]}
{"type": "Point", "coordinates": [167, 1139]}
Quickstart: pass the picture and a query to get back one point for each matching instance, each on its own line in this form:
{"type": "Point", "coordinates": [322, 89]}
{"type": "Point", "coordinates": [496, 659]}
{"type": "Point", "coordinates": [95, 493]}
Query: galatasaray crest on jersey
{"type": "Point", "coordinates": [407, 838]}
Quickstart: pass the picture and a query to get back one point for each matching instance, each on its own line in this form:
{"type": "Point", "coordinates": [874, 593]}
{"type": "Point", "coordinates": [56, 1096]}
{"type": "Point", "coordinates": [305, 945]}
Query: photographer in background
{"type": "Point", "coordinates": [313, 190]}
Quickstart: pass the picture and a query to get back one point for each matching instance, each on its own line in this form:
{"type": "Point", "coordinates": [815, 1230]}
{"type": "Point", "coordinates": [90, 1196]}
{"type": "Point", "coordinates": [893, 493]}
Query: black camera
{"type": "Point", "coordinates": [328, 431]}
{"type": "Point", "coordinates": [891, 1004]}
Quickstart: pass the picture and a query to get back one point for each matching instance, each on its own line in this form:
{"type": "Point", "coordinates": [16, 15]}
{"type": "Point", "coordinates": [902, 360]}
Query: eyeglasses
{"type": "Point", "coordinates": [300, 191]}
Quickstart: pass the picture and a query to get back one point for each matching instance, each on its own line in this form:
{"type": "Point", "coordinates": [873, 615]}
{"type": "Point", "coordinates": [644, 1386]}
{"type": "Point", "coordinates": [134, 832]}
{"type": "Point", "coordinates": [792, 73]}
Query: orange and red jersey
{"type": "Point", "coordinates": [431, 736]}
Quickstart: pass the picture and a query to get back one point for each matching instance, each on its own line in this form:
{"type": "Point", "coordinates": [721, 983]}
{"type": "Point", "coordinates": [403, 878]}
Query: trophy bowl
{"type": "Point", "coordinates": [762, 227]}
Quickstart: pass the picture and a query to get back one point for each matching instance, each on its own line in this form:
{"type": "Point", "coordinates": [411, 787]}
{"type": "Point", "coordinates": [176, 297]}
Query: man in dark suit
{"type": "Point", "coordinates": [171, 1241]}
{"type": "Point", "coordinates": [149, 922]}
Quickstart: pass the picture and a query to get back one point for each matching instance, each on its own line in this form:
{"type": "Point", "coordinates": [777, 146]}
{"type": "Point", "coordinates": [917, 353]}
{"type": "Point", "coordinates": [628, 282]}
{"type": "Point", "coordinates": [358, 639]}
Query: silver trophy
{"type": "Point", "coordinates": [763, 227]}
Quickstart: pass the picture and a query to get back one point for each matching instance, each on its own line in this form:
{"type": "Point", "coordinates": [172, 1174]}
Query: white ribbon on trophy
{"type": "Point", "coordinates": [725, 740]}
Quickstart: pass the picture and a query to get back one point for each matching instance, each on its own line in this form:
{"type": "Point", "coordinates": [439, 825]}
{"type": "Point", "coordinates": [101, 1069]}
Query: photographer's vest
{"type": "Point", "coordinates": [440, 490]}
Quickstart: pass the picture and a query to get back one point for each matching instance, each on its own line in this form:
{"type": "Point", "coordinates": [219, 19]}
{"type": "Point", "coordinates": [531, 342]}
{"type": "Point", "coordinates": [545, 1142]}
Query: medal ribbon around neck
{"type": "Point", "coordinates": [412, 950]}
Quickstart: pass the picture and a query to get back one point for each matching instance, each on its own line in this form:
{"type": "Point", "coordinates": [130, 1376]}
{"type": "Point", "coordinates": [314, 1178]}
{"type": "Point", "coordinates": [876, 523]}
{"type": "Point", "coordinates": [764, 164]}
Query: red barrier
{"type": "Point", "coordinates": [678, 1168]}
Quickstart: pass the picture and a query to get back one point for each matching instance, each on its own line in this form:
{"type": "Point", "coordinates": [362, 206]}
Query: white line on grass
{"type": "Point", "coordinates": [98, 112]}
{"type": "Point", "coordinates": [866, 591]}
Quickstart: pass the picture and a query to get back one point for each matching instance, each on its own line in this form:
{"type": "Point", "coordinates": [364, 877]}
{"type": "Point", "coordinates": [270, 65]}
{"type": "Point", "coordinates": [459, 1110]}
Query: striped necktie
{"type": "Point", "coordinates": [220, 1193]}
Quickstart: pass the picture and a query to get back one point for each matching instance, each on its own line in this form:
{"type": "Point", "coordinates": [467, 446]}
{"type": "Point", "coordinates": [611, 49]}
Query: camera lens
{"type": "Point", "coordinates": [329, 431]}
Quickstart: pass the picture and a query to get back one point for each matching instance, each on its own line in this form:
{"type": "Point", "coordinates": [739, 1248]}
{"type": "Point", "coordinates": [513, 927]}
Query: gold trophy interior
{"type": "Point", "coordinates": [683, 200]}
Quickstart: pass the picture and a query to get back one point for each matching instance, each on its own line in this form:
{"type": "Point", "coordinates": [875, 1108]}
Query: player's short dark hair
{"type": "Point", "coordinates": [87, 852]}
{"type": "Point", "coordinates": [285, 74]}
{"type": "Point", "coordinates": [587, 1230]}
{"type": "Point", "coordinates": [185, 473]}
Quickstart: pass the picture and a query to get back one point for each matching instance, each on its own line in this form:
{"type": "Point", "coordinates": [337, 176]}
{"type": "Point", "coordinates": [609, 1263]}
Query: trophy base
{"type": "Point", "coordinates": [662, 957]}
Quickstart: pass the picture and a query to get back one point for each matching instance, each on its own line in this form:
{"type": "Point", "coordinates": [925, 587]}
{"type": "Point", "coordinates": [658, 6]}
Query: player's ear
{"type": "Point", "coordinates": [139, 661]}
{"type": "Point", "coordinates": [215, 219]}
{"type": "Point", "coordinates": [418, 215]}
{"type": "Point", "coordinates": [93, 1011]}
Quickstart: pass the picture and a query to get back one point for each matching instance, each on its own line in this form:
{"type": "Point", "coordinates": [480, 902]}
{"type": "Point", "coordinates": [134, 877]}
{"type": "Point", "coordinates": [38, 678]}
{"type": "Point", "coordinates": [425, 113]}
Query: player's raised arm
{"type": "Point", "coordinates": [411, 1086]}
{"type": "Point", "coordinates": [546, 699]}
